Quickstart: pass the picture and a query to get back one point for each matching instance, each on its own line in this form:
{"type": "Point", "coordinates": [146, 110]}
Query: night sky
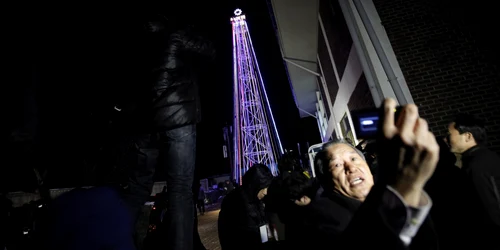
{"type": "Point", "coordinates": [66, 66]}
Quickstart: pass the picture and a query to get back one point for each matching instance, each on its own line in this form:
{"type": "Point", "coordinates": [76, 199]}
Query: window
{"type": "Point", "coordinates": [347, 133]}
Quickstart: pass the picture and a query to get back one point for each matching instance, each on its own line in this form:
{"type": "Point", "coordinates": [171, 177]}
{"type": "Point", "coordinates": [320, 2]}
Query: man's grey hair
{"type": "Point", "coordinates": [322, 159]}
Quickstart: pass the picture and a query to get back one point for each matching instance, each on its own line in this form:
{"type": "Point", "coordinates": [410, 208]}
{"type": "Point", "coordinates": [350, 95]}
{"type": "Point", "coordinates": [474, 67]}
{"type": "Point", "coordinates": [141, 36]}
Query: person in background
{"type": "Point", "coordinates": [197, 244]}
{"type": "Point", "coordinates": [481, 170]}
{"type": "Point", "coordinates": [290, 190]}
{"type": "Point", "coordinates": [173, 56]}
{"type": "Point", "coordinates": [242, 221]}
{"type": "Point", "coordinates": [201, 200]}
{"type": "Point", "coordinates": [229, 186]}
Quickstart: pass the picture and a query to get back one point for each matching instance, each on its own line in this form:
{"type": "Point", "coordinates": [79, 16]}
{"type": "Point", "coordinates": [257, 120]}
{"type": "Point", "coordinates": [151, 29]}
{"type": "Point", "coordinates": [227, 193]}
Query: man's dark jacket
{"type": "Point", "coordinates": [481, 168]}
{"type": "Point", "coordinates": [336, 221]}
{"type": "Point", "coordinates": [165, 93]}
{"type": "Point", "coordinates": [174, 76]}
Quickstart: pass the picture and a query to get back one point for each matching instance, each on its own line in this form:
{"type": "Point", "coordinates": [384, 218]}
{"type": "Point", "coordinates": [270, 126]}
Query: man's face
{"type": "Point", "coordinates": [350, 173]}
{"type": "Point", "coordinates": [262, 193]}
{"type": "Point", "coordinates": [458, 142]}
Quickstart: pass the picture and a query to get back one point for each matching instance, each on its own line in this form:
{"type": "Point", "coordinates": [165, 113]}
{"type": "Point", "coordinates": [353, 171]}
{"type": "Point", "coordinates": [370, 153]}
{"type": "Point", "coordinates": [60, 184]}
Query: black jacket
{"type": "Point", "coordinates": [242, 213]}
{"type": "Point", "coordinates": [335, 220]}
{"type": "Point", "coordinates": [162, 75]}
{"type": "Point", "coordinates": [239, 221]}
{"type": "Point", "coordinates": [174, 78]}
{"type": "Point", "coordinates": [481, 168]}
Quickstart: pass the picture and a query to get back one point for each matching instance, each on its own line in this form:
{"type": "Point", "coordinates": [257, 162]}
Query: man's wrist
{"type": "Point", "coordinates": [411, 194]}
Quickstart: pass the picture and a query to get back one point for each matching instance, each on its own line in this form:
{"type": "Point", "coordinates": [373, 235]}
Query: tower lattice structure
{"type": "Point", "coordinates": [256, 138]}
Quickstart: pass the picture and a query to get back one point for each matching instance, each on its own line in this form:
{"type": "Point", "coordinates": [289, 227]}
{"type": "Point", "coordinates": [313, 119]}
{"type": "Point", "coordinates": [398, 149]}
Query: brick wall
{"type": "Point", "coordinates": [361, 98]}
{"type": "Point", "coordinates": [448, 59]}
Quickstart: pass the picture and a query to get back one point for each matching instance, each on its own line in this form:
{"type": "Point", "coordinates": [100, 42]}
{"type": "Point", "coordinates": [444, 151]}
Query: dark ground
{"type": "Point", "coordinates": [207, 227]}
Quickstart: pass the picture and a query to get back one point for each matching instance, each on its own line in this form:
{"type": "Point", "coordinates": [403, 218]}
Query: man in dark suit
{"type": "Point", "coordinates": [481, 184]}
{"type": "Point", "coordinates": [350, 212]}
{"type": "Point", "coordinates": [164, 116]}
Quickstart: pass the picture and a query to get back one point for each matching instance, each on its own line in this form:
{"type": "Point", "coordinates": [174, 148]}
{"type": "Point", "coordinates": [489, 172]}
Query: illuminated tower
{"type": "Point", "coordinates": [256, 138]}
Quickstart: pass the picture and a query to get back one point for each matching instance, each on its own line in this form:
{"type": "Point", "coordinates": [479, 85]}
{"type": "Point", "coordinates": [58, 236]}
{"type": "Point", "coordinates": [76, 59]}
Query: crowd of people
{"type": "Point", "coordinates": [406, 190]}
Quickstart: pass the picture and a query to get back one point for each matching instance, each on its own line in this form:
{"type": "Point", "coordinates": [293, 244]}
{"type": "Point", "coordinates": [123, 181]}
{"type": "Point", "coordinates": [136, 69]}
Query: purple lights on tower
{"type": "Point", "coordinates": [256, 138]}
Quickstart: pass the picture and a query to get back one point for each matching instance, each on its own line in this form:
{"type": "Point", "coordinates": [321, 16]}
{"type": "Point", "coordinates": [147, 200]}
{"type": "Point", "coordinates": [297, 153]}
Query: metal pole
{"type": "Point", "coordinates": [393, 80]}
{"type": "Point", "coordinates": [367, 66]}
{"type": "Point", "coordinates": [301, 67]}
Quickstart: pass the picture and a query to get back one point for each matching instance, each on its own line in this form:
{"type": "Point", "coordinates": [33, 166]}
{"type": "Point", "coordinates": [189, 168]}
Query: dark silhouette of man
{"type": "Point", "coordinates": [481, 171]}
{"type": "Point", "coordinates": [166, 119]}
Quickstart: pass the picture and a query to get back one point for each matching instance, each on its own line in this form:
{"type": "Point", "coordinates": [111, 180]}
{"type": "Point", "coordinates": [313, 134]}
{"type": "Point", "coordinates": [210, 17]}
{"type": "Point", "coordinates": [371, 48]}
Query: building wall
{"type": "Point", "coordinates": [339, 38]}
{"type": "Point", "coordinates": [449, 63]}
{"type": "Point", "coordinates": [327, 67]}
{"type": "Point", "coordinates": [324, 97]}
{"type": "Point", "coordinates": [361, 98]}
{"type": "Point", "coordinates": [344, 61]}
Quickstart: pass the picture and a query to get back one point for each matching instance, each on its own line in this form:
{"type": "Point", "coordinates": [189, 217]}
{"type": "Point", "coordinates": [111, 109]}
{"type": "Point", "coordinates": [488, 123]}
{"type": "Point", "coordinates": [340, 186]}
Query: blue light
{"type": "Point", "coordinates": [367, 122]}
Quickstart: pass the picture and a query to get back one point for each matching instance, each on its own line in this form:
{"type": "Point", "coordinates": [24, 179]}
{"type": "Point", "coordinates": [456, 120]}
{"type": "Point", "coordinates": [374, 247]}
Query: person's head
{"type": "Point", "coordinates": [464, 132]}
{"type": "Point", "coordinates": [298, 187]}
{"type": "Point", "coordinates": [343, 168]}
{"type": "Point", "coordinates": [288, 162]}
{"type": "Point", "coordinates": [256, 181]}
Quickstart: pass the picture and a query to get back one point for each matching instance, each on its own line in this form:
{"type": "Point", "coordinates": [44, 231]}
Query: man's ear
{"type": "Point", "coordinates": [469, 137]}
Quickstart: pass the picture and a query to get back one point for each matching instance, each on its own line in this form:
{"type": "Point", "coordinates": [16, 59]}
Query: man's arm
{"type": "Point", "coordinates": [408, 157]}
{"type": "Point", "coordinates": [414, 216]}
{"type": "Point", "coordinates": [387, 218]}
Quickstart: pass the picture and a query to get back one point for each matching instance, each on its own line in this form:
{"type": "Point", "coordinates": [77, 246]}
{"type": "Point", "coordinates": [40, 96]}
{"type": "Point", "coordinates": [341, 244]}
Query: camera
{"type": "Point", "coordinates": [366, 121]}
